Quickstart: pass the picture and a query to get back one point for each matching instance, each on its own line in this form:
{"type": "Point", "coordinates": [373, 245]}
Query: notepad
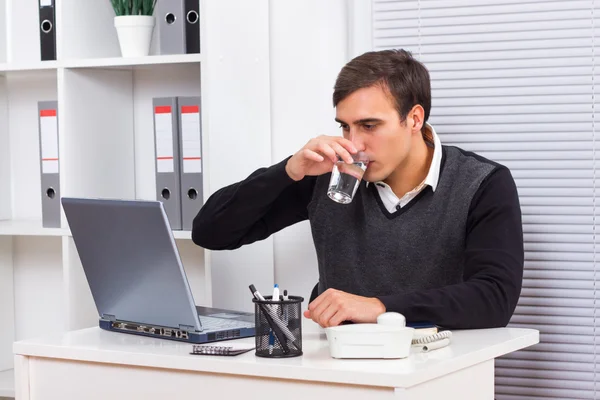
{"type": "Point", "coordinates": [225, 350]}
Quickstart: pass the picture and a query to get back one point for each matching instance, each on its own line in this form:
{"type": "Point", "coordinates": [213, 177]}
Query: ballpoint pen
{"type": "Point", "coordinates": [285, 308]}
{"type": "Point", "coordinates": [275, 293]}
{"type": "Point", "coordinates": [275, 297]}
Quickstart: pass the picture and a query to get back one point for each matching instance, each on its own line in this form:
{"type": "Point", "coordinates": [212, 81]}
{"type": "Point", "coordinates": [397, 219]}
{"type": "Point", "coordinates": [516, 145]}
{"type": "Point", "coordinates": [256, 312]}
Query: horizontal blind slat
{"type": "Point", "coordinates": [545, 393]}
{"type": "Point", "coordinates": [509, 45]}
{"type": "Point", "coordinates": [386, 19]}
{"type": "Point", "coordinates": [386, 30]}
{"type": "Point", "coordinates": [557, 329]}
{"type": "Point", "coordinates": [555, 302]}
{"type": "Point", "coordinates": [561, 109]}
{"type": "Point", "coordinates": [552, 356]}
{"type": "Point", "coordinates": [471, 39]}
{"type": "Point", "coordinates": [560, 366]}
{"type": "Point", "coordinates": [505, 127]}
{"type": "Point", "coordinates": [506, 55]}
{"type": "Point", "coordinates": [545, 265]}
{"type": "Point", "coordinates": [545, 383]}
{"type": "Point", "coordinates": [566, 275]}
{"type": "Point", "coordinates": [553, 201]}
{"type": "Point", "coordinates": [558, 219]}
{"type": "Point", "coordinates": [523, 100]}
{"type": "Point", "coordinates": [403, 5]}
{"type": "Point", "coordinates": [561, 311]}
{"type": "Point", "coordinates": [552, 320]}
{"type": "Point", "coordinates": [563, 238]}
{"type": "Point", "coordinates": [574, 293]}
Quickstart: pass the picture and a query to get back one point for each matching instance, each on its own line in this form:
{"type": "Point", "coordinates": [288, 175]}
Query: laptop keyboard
{"type": "Point", "coordinates": [214, 324]}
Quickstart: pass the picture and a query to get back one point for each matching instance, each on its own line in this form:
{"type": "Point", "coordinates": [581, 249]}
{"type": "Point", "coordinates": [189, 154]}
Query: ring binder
{"type": "Point", "coordinates": [220, 350]}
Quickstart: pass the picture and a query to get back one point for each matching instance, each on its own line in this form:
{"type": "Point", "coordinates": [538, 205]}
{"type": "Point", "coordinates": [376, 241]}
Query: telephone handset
{"type": "Point", "coordinates": [388, 338]}
{"type": "Point", "coordinates": [427, 341]}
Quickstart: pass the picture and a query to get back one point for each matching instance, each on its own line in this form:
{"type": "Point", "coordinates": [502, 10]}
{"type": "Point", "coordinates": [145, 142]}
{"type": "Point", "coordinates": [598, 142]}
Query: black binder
{"type": "Point", "coordinates": [192, 26]}
{"type": "Point", "coordinates": [47, 30]}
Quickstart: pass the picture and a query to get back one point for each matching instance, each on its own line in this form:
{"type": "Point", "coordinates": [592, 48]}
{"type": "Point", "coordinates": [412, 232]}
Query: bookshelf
{"type": "Point", "coordinates": [106, 150]}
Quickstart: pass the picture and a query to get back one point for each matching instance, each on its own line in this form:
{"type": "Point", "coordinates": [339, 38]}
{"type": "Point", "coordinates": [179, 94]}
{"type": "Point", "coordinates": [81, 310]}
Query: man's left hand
{"type": "Point", "coordinates": [333, 307]}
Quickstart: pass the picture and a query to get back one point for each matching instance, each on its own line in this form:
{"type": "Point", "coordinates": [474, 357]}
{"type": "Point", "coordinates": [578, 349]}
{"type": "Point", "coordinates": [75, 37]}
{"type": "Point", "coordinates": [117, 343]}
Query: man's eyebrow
{"type": "Point", "coordinates": [361, 121]}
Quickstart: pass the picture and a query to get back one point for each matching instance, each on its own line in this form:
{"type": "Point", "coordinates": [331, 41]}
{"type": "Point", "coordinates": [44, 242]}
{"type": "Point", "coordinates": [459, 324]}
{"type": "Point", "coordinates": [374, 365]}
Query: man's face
{"type": "Point", "coordinates": [369, 119]}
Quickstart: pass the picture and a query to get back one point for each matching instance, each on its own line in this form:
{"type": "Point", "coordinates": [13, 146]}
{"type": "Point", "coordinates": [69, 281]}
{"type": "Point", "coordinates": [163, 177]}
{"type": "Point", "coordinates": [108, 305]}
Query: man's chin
{"type": "Point", "coordinates": [373, 176]}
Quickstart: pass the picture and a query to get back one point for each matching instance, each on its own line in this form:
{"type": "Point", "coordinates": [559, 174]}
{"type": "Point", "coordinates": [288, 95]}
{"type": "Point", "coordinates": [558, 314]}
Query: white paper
{"type": "Point", "coordinates": [190, 136]}
{"type": "Point", "coordinates": [49, 128]}
{"type": "Point", "coordinates": [44, 3]}
{"type": "Point", "coordinates": [163, 124]}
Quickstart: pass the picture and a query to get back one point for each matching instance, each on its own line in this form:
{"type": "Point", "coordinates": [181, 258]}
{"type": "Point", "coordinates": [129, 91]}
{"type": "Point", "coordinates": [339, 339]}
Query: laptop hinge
{"type": "Point", "coordinates": [187, 328]}
{"type": "Point", "coordinates": [109, 317]}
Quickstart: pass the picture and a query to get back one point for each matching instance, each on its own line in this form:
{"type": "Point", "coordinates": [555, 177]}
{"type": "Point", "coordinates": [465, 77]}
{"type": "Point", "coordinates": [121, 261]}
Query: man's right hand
{"type": "Point", "coordinates": [318, 156]}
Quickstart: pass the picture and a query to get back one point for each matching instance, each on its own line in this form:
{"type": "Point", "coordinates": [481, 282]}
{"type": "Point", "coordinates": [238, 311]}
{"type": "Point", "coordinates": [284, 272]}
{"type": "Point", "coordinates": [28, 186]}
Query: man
{"type": "Point", "coordinates": [433, 232]}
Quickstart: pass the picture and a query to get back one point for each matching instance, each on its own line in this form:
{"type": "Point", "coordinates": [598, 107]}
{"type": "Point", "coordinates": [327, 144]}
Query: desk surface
{"type": "Point", "coordinates": [467, 348]}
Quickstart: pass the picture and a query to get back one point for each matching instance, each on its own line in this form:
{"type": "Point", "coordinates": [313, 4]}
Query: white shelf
{"type": "Point", "coordinates": [7, 383]}
{"type": "Point", "coordinates": [35, 228]}
{"type": "Point", "coordinates": [32, 66]}
{"type": "Point", "coordinates": [112, 62]}
{"type": "Point", "coordinates": [131, 62]}
{"type": "Point", "coordinates": [29, 228]}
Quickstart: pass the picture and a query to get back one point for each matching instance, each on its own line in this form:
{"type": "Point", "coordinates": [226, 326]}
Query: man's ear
{"type": "Point", "coordinates": [416, 118]}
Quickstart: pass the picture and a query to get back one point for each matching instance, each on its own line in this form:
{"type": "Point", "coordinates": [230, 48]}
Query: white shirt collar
{"type": "Point", "coordinates": [433, 176]}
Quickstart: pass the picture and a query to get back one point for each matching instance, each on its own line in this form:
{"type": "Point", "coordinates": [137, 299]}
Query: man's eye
{"type": "Point", "coordinates": [369, 127]}
{"type": "Point", "coordinates": [344, 127]}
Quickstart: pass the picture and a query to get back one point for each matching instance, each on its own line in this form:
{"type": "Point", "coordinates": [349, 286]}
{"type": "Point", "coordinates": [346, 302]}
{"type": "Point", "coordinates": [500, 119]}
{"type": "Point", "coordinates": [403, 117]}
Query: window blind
{"type": "Point", "coordinates": [514, 80]}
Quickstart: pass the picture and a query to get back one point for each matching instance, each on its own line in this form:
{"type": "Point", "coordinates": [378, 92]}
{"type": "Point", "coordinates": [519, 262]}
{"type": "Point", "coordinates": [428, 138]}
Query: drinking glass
{"type": "Point", "coordinates": [345, 178]}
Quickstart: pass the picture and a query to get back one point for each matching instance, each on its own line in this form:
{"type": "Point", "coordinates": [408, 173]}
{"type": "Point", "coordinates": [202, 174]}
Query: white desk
{"type": "Point", "coordinates": [94, 364]}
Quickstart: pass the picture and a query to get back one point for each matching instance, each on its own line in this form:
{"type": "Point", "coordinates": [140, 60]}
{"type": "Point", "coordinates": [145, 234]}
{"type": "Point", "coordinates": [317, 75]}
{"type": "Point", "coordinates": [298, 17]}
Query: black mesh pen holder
{"type": "Point", "coordinates": [278, 327]}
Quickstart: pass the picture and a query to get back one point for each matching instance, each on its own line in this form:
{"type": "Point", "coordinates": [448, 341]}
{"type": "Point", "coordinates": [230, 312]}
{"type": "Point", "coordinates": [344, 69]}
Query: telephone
{"type": "Point", "coordinates": [388, 338]}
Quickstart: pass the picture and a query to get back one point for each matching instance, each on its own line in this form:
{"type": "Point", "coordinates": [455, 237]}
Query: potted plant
{"type": "Point", "coordinates": [134, 22]}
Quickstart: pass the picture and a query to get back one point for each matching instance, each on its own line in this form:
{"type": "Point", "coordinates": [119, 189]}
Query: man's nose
{"type": "Point", "coordinates": [357, 140]}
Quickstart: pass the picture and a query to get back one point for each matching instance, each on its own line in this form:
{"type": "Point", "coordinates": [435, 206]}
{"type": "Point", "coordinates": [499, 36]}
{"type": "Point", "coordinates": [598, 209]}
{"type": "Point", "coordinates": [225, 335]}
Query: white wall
{"type": "Point", "coordinates": [308, 48]}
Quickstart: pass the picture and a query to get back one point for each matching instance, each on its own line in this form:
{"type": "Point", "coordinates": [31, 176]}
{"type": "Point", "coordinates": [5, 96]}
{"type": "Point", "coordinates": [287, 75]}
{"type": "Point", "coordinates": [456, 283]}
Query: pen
{"type": "Point", "coordinates": [271, 336]}
{"type": "Point", "coordinates": [256, 293]}
{"type": "Point", "coordinates": [275, 293]}
{"type": "Point", "coordinates": [285, 308]}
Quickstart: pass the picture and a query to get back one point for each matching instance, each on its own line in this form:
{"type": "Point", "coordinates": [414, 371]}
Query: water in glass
{"type": "Point", "coordinates": [345, 179]}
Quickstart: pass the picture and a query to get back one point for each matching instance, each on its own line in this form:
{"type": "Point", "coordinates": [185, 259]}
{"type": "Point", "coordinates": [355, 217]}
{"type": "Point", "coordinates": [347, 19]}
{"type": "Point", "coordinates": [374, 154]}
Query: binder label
{"type": "Point", "coordinates": [163, 125]}
{"type": "Point", "coordinates": [44, 3]}
{"type": "Point", "coordinates": [190, 136]}
{"type": "Point", "coordinates": [49, 138]}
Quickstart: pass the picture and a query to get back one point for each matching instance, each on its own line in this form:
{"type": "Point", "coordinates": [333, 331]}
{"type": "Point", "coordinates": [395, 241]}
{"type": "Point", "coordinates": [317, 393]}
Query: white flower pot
{"type": "Point", "coordinates": [135, 34]}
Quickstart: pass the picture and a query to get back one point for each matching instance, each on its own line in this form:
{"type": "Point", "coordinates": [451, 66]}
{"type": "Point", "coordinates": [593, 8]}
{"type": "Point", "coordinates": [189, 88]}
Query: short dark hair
{"type": "Point", "coordinates": [406, 79]}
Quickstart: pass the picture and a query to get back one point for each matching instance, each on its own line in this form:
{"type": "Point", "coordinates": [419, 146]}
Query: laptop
{"type": "Point", "coordinates": [136, 276]}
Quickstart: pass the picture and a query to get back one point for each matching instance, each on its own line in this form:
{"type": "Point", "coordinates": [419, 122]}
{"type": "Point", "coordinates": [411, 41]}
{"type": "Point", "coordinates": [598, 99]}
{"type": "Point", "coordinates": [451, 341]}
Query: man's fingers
{"type": "Point", "coordinates": [342, 152]}
{"type": "Point", "coordinates": [315, 303]}
{"type": "Point", "coordinates": [339, 317]}
{"type": "Point", "coordinates": [327, 151]}
{"type": "Point", "coordinates": [348, 145]}
{"type": "Point", "coordinates": [314, 156]}
{"type": "Point", "coordinates": [326, 315]}
{"type": "Point", "coordinates": [307, 314]}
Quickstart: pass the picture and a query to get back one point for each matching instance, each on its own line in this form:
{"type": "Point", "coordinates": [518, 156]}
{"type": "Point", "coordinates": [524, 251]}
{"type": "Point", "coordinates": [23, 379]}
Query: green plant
{"type": "Point", "coordinates": [133, 7]}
